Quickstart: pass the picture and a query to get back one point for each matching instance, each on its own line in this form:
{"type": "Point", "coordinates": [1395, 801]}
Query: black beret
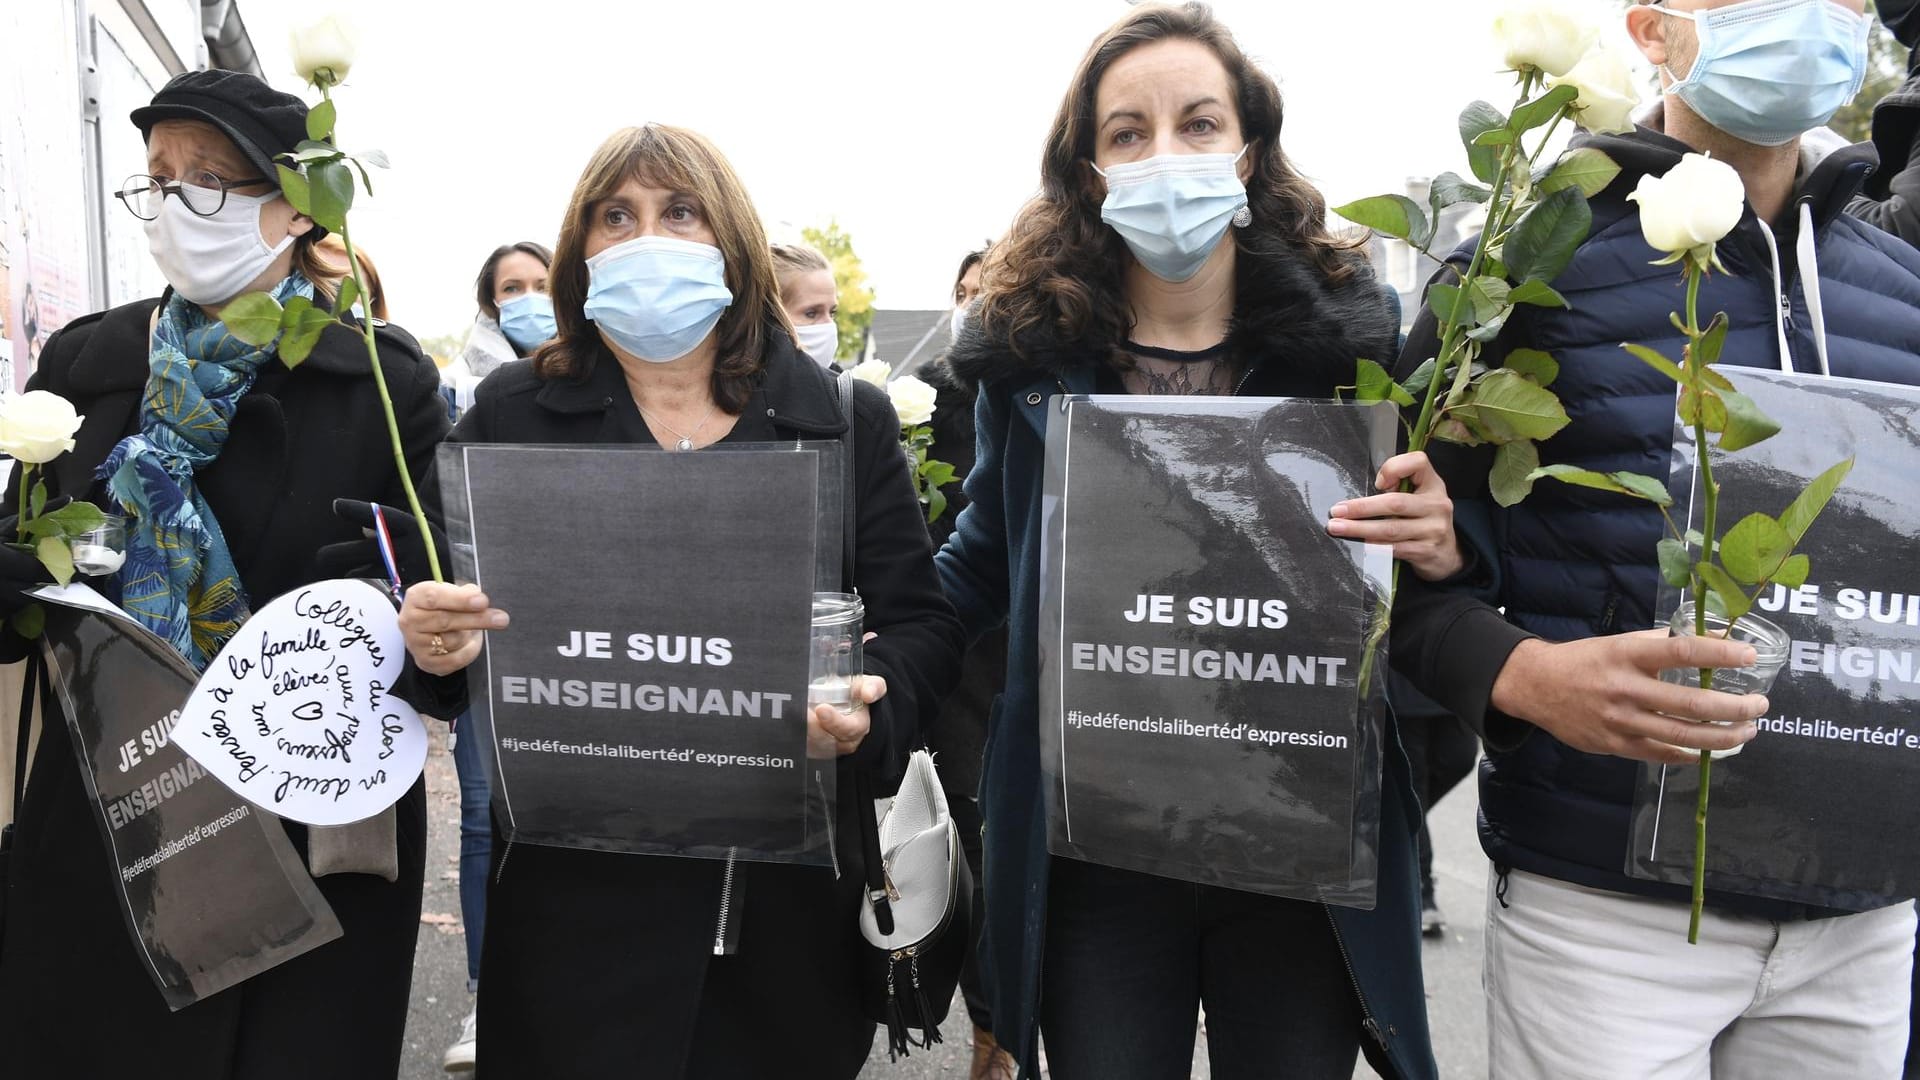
{"type": "Point", "coordinates": [261, 121]}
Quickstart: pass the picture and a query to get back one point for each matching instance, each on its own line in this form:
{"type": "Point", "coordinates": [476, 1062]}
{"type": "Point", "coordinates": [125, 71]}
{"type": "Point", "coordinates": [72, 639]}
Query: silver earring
{"type": "Point", "coordinates": [1243, 217]}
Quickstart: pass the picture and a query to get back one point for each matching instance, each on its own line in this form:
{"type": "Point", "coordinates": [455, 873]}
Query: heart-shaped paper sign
{"type": "Point", "coordinates": [297, 714]}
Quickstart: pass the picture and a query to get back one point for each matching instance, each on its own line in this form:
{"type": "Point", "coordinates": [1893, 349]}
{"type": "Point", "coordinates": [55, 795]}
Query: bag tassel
{"type": "Point", "coordinates": [897, 1038]}
{"type": "Point", "coordinates": [929, 1030]}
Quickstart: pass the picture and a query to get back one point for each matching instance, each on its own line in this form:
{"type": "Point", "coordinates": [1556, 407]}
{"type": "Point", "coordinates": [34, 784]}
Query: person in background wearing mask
{"type": "Point", "coordinates": [178, 410]}
{"type": "Point", "coordinates": [1588, 973]}
{"type": "Point", "coordinates": [671, 334]}
{"type": "Point", "coordinates": [807, 292]}
{"type": "Point", "coordinates": [959, 737]}
{"type": "Point", "coordinates": [516, 314]}
{"type": "Point", "coordinates": [1173, 250]}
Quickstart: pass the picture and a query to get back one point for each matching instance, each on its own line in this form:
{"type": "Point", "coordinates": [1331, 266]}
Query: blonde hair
{"type": "Point", "coordinates": [324, 262]}
{"type": "Point", "coordinates": [791, 262]}
{"type": "Point", "coordinates": [658, 155]}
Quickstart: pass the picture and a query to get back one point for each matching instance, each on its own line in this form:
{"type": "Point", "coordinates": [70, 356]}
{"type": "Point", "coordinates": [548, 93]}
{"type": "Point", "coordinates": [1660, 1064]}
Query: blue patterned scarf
{"type": "Point", "coordinates": [179, 579]}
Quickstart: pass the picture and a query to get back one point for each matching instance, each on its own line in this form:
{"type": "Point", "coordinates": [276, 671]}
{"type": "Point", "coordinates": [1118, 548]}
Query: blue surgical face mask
{"type": "Point", "coordinates": [657, 297]}
{"type": "Point", "coordinates": [527, 320]}
{"type": "Point", "coordinates": [1769, 71]}
{"type": "Point", "coordinates": [1173, 209]}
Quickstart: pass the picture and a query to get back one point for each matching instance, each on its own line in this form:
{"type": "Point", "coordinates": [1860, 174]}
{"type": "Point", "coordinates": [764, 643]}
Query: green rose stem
{"type": "Point", "coordinates": [1449, 355]}
{"type": "Point", "coordinates": [380, 378]}
{"type": "Point", "coordinates": [1710, 494]}
{"type": "Point", "coordinates": [26, 482]}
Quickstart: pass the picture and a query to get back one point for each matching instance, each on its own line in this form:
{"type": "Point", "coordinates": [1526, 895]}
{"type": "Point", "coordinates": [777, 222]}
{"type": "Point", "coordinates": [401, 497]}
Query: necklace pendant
{"type": "Point", "coordinates": [686, 443]}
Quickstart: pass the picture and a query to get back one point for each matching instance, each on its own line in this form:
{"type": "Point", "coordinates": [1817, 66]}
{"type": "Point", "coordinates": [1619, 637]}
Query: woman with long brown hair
{"type": "Point", "coordinates": [1173, 250]}
{"type": "Point", "coordinates": [671, 333]}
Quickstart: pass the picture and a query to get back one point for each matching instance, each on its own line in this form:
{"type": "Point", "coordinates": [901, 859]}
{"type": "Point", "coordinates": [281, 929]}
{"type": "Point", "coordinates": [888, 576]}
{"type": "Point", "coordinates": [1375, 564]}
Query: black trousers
{"type": "Point", "coordinates": [1131, 958]}
{"type": "Point", "coordinates": [1441, 750]}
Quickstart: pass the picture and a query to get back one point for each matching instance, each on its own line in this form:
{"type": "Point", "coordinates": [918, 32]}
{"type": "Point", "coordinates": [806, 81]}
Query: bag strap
{"type": "Point", "coordinates": [863, 800]}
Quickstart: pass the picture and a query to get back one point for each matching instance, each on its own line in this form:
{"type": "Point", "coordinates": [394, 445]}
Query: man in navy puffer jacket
{"type": "Point", "coordinates": [1588, 973]}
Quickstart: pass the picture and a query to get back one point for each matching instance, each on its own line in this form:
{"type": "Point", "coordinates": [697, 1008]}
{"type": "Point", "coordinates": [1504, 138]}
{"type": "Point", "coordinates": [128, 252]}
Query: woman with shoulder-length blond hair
{"type": "Point", "coordinates": [671, 333]}
{"type": "Point", "coordinates": [1173, 250]}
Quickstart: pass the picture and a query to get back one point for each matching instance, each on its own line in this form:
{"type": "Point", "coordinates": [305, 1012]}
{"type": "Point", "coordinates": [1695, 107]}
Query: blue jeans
{"type": "Point", "coordinates": [1131, 958]}
{"type": "Point", "coordinates": [470, 752]}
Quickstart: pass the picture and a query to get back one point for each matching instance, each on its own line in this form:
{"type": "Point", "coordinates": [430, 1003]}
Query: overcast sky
{"type": "Point", "coordinates": [918, 126]}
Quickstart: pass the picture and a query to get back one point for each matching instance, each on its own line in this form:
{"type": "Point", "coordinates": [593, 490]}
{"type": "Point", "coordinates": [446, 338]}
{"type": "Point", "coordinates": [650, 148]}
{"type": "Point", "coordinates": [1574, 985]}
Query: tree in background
{"type": "Point", "coordinates": [1886, 70]}
{"type": "Point", "coordinates": [444, 347]}
{"type": "Point", "coordinates": [850, 282]}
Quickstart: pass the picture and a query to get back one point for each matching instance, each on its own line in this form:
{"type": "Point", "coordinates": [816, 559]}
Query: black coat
{"type": "Point", "coordinates": [75, 999]}
{"type": "Point", "coordinates": [600, 964]}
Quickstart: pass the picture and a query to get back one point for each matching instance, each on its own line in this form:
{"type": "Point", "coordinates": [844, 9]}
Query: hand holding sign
{"type": "Point", "coordinates": [296, 713]}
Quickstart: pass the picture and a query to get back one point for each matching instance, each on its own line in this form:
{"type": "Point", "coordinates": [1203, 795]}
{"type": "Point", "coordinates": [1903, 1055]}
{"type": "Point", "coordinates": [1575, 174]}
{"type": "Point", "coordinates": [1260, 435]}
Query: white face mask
{"type": "Point", "coordinates": [819, 340]}
{"type": "Point", "coordinates": [210, 260]}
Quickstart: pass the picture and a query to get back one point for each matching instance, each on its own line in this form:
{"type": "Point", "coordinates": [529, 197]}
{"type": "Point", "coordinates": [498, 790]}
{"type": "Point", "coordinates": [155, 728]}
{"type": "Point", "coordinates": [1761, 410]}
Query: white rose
{"type": "Point", "coordinates": [873, 371]}
{"type": "Point", "coordinates": [912, 399]}
{"type": "Point", "coordinates": [323, 50]}
{"type": "Point", "coordinates": [1698, 202]}
{"type": "Point", "coordinates": [37, 426]}
{"type": "Point", "coordinates": [1608, 94]}
{"type": "Point", "coordinates": [1550, 35]}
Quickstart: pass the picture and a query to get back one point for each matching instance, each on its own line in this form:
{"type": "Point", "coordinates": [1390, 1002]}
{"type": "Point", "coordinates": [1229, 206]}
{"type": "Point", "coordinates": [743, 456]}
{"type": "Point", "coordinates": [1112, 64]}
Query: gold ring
{"type": "Point", "coordinates": [438, 645]}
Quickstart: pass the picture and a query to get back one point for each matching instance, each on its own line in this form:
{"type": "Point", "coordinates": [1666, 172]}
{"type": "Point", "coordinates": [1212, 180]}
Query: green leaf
{"type": "Point", "coordinates": [1538, 293]}
{"type": "Point", "coordinates": [1488, 330]}
{"type": "Point", "coordinates": [936, 504]}
{"type": "Point", "coordinates": [937, 473]}
{"type": "Point", "coordinates": [1513, 467]}
{"type": "Point", "coordinates": [1733, 600]}
{"type": "Point", "coordinates": [1453, 431]}
{"type": "Point", "coordinates": [1474, 119]}
{"type": "Point", "coordinates": [309, 151]}
{"type": "Point", "coordinates": [375, 158]}
{"type": "Point", "coordinates": [1799, 515]}
{"type": "Point", "coordinates": [1494, 137]}
{"type": "Point", "coordinates": [37, 499]}
{"type": "Point", "coordinates": [1450, 304]}
{"type": "Point", "coordinates": [72, 519]}
{"type": "Point", "coordinates": [1450, 189]}
{"type": "Point", "coordinates": [320, 121]}
{"type": "Point", "coordinates": [1746, 424]}
{"type": "Point", "coordinates": [1676, 563]}
{"type": "Point", "coordinates": [1793, 572]}
{"type": "Point", "coordinates": [1543, 241]}
{"type": "Point", "coordinates": [349, 292]}
{"type": "Point", "coordinates": [1372, 383]}
{"type": "Point", "coordinates": [1754, 548]}
{"type": "Point", "coordinates": [1538, 366]}
{"type": "Point", "coordinates": [365, 180]}
{"type": "Point", "coordinates": [1656, 361]}
{"type": "Point", "coordinates": [1541, 109]}
{"type": "Point", "coordinates": [1712, 340]}
{"type": "Point", "coordinates": [1507, 406]}
{"type": "Point", "coordinates": [303, 333]}
{"type": "Point", "coordinates": [1489, 295]}
{"type": "Point", "coordinates": [1620, 483]}
{"type": "Point", "coordinates": [293, 184]}
{"type": "Point", "coordinates": [1706, 406]}
{"type": "Point", "coordinates": [1395, 215]}
{"type": "Point", "coordinates": [253, 318]}
{"type": "Point", "coordinates": [57, 557]}
{"type": "Point", "coordinates": [332, 190]}
{"type": "Point", "coordinates": [30, 622]}
{"type": "Point", "coordinates": [1421, 378]}
{"type": "Point", "coordinates": [1586, 168]}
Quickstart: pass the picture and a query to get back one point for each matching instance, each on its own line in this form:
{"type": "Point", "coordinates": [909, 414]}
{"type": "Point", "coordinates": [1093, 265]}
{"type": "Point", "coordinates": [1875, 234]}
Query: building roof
{"type": "Point", "coordinates": [907, 340]}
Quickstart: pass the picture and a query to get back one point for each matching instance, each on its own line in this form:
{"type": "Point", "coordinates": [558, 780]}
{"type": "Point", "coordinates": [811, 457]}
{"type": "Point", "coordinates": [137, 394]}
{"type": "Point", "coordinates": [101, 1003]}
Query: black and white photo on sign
{"type": "Point", "coordinates": [1818, 808]}
{"type": "Point", "coordinates": [1202, 642]}
{"type": "Point", "coordinates": [657, 702]}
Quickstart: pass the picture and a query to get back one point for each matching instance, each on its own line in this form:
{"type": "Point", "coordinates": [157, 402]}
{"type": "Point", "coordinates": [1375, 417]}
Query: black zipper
{"type": "Point", "coordinates": [1367, 1021]}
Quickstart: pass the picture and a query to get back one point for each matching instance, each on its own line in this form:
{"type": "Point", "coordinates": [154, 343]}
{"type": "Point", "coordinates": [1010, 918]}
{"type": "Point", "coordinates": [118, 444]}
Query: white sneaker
{"type": "Point", "coordinates": [459, 1057]}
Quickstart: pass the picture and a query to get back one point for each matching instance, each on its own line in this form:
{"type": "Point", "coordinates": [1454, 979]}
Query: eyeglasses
{"type": "Point", "coordinates": [143, 194]}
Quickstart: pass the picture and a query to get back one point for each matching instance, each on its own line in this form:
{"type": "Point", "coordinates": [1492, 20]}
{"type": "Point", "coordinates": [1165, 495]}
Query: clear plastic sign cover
{"type": "Point", "coordinates": [1202, 641]}
{"type": "Point", "coordinates": [212, 889]}
{"type": "Point", "coordinates": [651, 693]}
{"type": "Point", "coordinates": [1819, 808]}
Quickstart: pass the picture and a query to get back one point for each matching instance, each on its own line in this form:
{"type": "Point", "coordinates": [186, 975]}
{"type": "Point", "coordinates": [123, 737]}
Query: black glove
{"type": "Point", "coordinates": [361, 558]}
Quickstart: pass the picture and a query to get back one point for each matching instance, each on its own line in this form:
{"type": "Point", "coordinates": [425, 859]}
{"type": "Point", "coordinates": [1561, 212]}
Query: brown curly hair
{"type": "Point", "coordinates": [662, 156]}
{"type": "Point", "coordinates": [1060, 267]}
